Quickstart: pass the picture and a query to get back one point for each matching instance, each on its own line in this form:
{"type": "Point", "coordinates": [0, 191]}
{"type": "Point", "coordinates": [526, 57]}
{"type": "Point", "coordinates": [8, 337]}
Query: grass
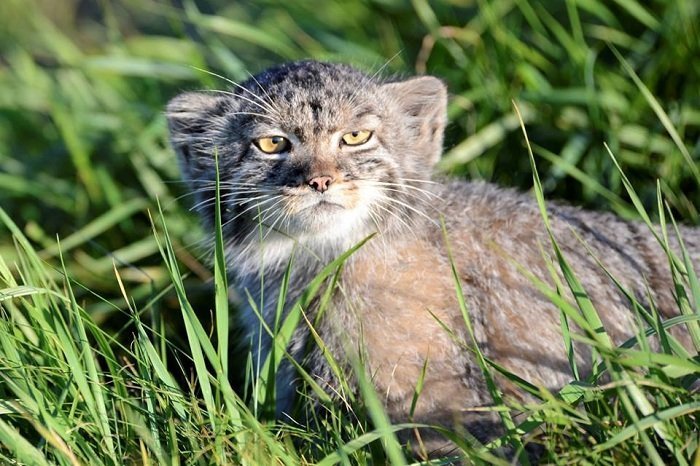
{"type": "Point", "coordinates": [108, 351]}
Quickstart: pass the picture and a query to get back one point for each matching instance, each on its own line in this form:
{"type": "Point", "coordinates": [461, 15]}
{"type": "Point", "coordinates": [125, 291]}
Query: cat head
{"type": "Point", "coordinates": [311, 149]}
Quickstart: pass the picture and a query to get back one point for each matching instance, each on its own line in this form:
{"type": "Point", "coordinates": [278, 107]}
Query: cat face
{"type": "Point", "coordinates": [310, 149]}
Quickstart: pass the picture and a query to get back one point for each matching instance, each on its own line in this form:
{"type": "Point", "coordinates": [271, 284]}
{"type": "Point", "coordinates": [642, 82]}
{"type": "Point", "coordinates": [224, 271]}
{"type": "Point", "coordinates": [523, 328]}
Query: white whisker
{"type": "Point", "coordinates": [261, 103]}
{"type": "Point", "coordinates": [395, 215]}
{"type": "Point", "coordinates": [269, 98]}
{"type": "Point", "coordinates": [413, 209]}
{"type": "Point", "coordinates": [249, 209]}
{"type": "Point", "coordinates": [405, 186]}
{"type": "Point", "coordinates": [416, 180]}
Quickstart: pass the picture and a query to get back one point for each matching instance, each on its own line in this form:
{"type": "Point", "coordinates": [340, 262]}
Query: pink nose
{"type": "Point", "coordinates": [320, 183]}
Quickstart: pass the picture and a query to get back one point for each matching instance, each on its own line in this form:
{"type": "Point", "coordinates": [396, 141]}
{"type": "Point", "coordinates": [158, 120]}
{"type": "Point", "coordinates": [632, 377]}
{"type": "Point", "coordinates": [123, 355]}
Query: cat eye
{"type": "Point", "coordinates": [272, 144]}
{"type": "Point", "coordinates": [355, 138]}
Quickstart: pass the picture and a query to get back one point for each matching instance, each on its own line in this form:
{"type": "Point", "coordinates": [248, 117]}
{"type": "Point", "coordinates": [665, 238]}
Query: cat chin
{"type": "Point", "coordinates": [277, 247]}
{"type": "Point", "coordinates": [321, 230]}
{"type": "Point", "coordinates": [328, 225]}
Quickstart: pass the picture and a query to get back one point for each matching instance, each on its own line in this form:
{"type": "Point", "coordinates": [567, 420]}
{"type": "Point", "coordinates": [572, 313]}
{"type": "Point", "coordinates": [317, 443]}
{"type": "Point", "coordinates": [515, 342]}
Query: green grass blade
{"type": "Point", "coordinates": [223, 321]}
{"type": "Point", "coordinates": [24, 451]}
{"type": "Point", "coordinates": [694, 284]}
{"type": "Point", "coordinates": [649, 422]}
{"type": "Point", "coordinates": [93, 381]}
{"type": "Point", "coordinates": [493, 389]}
{"type": "Point", "coordinates": [660, 113]}
{"type": "Point", "coordinates": [579, 293]}
{"type": "Point", "coordinates": [376, 412]}
{"type": "Point", "coordinates": [196, 336]}
{"type": "Point", "coordinates": [97, 226]}
{"type": "Point", "coordinates": [291, 321]}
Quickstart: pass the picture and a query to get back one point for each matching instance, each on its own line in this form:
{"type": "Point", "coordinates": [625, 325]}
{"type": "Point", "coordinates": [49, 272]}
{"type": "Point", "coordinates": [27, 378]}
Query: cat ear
{"type": "Point", "coordinates": [189, 115]}
{"type": "Point", "coordinates": [423, 100]}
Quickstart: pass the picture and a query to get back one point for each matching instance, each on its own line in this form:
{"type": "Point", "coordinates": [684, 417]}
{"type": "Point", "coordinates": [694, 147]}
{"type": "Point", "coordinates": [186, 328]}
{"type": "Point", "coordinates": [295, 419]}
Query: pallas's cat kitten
{"type": "Point", "coordinates": [315, 157]}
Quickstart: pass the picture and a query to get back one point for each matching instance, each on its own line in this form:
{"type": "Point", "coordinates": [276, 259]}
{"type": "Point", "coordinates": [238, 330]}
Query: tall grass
{"type": "Point", "coordinates": [108, 351]}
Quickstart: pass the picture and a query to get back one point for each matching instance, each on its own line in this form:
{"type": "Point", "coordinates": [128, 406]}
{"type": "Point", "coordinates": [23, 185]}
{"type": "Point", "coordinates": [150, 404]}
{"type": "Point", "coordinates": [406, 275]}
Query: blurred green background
{"type": "Point", "coordinates": [83, 84]}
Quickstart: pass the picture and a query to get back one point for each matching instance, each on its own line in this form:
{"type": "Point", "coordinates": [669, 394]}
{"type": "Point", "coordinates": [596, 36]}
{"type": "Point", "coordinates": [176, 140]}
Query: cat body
{"type": "Point", "coordinates": [316, 157]}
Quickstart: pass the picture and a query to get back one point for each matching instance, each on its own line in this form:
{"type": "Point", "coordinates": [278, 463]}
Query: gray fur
{"type": "Point", "coordinates": [396, 287]}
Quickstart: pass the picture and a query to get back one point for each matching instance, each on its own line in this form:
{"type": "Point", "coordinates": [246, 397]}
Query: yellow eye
{"type": "Point", "coordinates": [355, 138]}
{"type": "Point", "coordinates": [272, 144]}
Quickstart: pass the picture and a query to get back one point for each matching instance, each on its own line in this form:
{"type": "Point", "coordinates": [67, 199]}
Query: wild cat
{"type": "Point", "coordinates": [315, 157]}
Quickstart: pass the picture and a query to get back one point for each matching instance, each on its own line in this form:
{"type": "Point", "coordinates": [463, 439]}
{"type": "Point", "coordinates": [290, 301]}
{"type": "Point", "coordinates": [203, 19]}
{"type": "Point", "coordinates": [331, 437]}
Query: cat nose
{"type": "Point", "coordinates": [320, 183]}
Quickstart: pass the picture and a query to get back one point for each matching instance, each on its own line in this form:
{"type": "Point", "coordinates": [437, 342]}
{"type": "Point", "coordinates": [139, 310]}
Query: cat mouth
{"type": "Point", "coordinates": [326, 205]}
